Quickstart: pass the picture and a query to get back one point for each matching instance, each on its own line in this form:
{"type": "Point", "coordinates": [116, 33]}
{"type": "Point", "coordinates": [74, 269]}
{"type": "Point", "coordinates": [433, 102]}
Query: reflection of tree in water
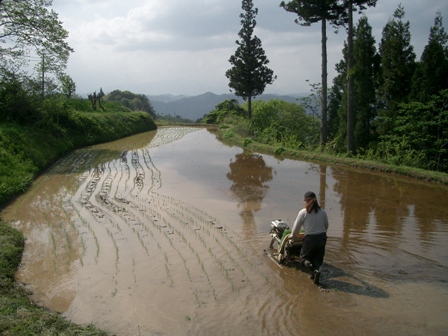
{"type": "Point", "coordinates": [386, 211]}
{"type": "Point", "coordinates": [365, 201]}
{"type": "Point", "coordinates": [249, 174]}
{"type": "Point", "coordinates": [321, 170]}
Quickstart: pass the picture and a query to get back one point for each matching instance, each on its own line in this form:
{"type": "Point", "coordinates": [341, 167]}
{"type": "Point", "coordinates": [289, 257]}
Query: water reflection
{"type": "Point", "coordinates": [322, 185]}
{"type": "Point", "coordinates": [249, 174]}
{"type": "Point", "coordinates": [386, 221]}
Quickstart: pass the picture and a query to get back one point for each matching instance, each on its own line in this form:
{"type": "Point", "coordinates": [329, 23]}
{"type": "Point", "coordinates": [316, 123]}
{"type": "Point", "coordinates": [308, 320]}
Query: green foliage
{"type": "Point", "coordinates": [437, 32]}
{"type": "Point", "coordinates": [84, 105]}
{"type": "Point", "coordinates": [280, 122]}
{"type": "Point", "coordinates": [397, 66]}
{"type": "Point", "coordinates": [365, 77]}
{"type": "Point", "coordinates": [313, 11]}
{"type": "Point", "coordinates": [351, 6]}
{"type": "Point", "coordinates": [420, 137]}
{"type": "Point", "coordinates": [223, 110]}
{"type": "Point", "coordinates": [309, 12]}
{"type": "Point", "coordinates": [68, 85]}
{"type": "Point", "coordinates": [134, 102]}
{"type": "Point", "coordinates": [249, 73]}
{"type": "Point", "coordinates": [273, 122]}
{"type": "Point", "coordinates": [11, 246]}
{"type": "Point", "coordinates": [431, 73]}
{"type": "Point", "coordinates": [337, 116]}
{"type": "Point", "coordinates": [229, 134]}
{"type": "Point", "coordinates": [247, 141]}
{"type": "Point", "coordinates": [31, 24]}
{"type": "Point", "coordinates": [34, 132]}
{"type": "Point", "coordinates": [241, 125]}
{"type": "Point", "coordinates": [365, 74]}
{"type": "Point", "coordinates": [279, 150]}
{"type": "Point", "coordinates": [16, 105]}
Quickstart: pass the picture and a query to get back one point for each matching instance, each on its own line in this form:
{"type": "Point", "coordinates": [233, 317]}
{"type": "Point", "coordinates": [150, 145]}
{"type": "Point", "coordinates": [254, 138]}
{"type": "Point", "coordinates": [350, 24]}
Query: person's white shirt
{"type": "Point", "coordinates": [312, 223]}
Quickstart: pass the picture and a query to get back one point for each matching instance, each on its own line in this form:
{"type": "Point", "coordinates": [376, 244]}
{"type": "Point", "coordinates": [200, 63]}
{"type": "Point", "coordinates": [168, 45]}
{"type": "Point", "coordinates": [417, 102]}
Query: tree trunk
{"type": "Point", "coordinates": [350, 84]}
{"type": "Point", "coordinates": [42, 84]}
{"type": "Point", "coordinates": [249, 106]}
{"type": "Point", "coordinates": [324, 127]}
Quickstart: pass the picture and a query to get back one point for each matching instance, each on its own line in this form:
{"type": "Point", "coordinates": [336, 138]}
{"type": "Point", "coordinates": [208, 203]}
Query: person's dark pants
{"type": "Point", "coordinates": [313, 250]}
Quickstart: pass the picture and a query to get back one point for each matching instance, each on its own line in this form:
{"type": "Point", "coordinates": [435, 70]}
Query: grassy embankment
{"type": "Point", "coordinates": [25, 151]}
{"type": "Point", "coordinates": [227, 135]}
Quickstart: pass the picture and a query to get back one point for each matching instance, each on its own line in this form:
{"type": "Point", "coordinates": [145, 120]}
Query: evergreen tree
{"type": "Point", "coordinates": [352, 5]}
{"type": "Point", "coordinates": [397, 67]}
{"type": "Point", "coordinates": [337, 125]}
{"type": "Point", "coordinates": [309, 12]}
{"type": "Point", "coordinates": [431, 74]}
{"type": "Point", "coordinates": [438, 34]}
{"type": "Point", "coordinates": [365, 74]}
{"type": "Point", "coordinates": [249, 73]}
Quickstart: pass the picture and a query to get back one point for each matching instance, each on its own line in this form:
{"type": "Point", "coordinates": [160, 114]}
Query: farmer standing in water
{"type": "Point", "coordinates": [314, 221]}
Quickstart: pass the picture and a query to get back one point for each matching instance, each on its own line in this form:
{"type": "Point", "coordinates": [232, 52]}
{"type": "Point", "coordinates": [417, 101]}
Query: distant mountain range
{"type": "Point", "coordinates": [195, 107]}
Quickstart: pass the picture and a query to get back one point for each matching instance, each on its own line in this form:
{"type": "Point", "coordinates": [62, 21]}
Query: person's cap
{"type": "Point", "coordinates": [310, 194]}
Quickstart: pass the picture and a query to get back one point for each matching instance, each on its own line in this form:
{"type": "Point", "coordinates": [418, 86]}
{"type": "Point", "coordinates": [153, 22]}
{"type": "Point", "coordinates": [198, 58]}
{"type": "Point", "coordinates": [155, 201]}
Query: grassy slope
{"type": "Point", "coordinates": [25, 152]}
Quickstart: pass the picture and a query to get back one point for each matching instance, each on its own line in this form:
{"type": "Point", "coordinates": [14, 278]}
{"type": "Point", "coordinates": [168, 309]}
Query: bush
{"type": "Point", "coordinates": [225, 109]}
{"type": "Point", "coordinates": [247, 141]}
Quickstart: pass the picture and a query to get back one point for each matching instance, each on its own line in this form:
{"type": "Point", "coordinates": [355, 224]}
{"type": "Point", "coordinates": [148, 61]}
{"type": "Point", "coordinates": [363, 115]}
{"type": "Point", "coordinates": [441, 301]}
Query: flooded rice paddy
{"type": "Point", "coordinates": [163, 233]}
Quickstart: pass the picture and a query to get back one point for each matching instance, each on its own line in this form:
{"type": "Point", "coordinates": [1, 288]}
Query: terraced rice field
{"type": "Point", "coordinates": [163, 233]}
{"type": "Point", "coordinates": [107, 246]}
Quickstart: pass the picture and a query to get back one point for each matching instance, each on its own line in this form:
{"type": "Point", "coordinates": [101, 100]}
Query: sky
{"type": "Point", "coordinates": [182, 47]}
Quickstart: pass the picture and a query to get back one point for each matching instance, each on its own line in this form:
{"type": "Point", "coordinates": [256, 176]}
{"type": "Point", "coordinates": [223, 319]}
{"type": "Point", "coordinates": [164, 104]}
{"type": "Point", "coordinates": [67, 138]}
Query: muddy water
{"type": "Point", "coordinates": [163, 234]}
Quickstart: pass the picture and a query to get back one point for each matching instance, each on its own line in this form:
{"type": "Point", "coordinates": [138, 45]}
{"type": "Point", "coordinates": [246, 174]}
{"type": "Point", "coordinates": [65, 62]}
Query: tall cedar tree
{"type": "Point", "coordinates": [397, 68]}
{"type": "Point", "coordinates": [309, 12]}
{"type": "Point", "coordinates": [438, 34]}
{"type": "Point", "coordinates": [335, 99]}
{"type": "Point", "coordinates": [431, 74]}
{"type": "Point", "coordinates": [365, 74]}
{"type": "Point", "coordinates": [352, 5]}
{"type": "Point", "coordinates": [249, 74]}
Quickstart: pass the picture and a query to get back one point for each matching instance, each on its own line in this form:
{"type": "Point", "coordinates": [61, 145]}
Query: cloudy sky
{"type": "Point", "coordinates": [183, 47]}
